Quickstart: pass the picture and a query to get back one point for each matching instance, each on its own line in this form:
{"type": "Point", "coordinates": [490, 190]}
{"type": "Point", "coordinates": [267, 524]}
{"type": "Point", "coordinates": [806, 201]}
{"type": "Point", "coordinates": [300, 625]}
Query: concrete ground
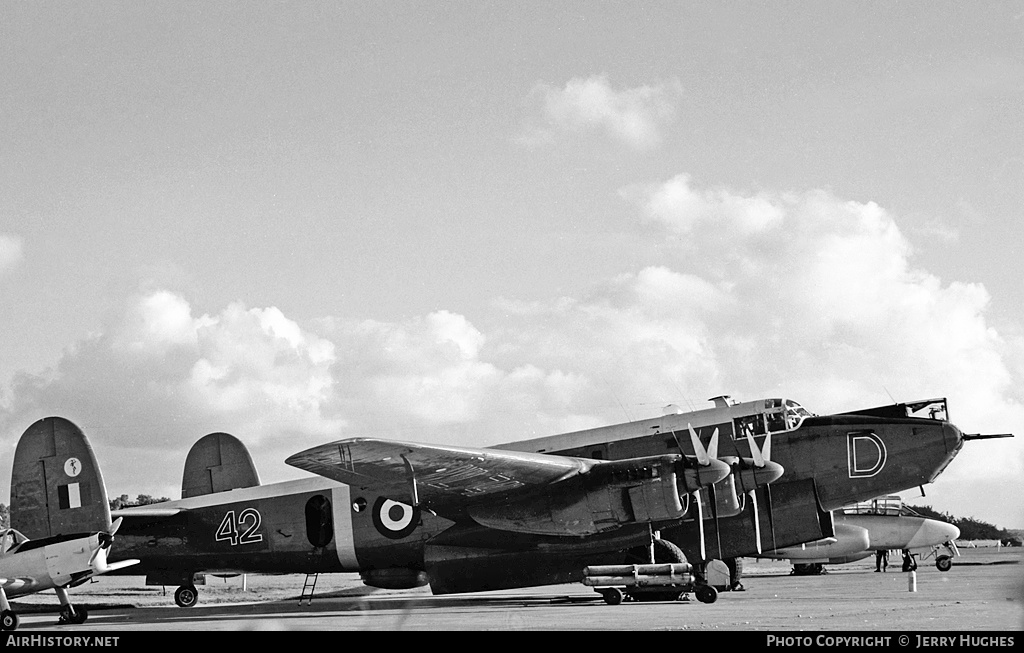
{"type": "Point", "coordinates": [983, 592]}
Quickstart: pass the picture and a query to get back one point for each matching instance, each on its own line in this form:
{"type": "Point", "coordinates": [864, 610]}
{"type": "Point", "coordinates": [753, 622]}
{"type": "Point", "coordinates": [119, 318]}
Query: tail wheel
{"type": "Point", "coordinates": [944, 563]}
{"type": "Point", "coordinates": [186, 596]}
{"type": "Point", "coordinates": [8, 620]}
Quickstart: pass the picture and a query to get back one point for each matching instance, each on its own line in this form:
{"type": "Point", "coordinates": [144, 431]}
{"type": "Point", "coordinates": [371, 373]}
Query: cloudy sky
{"type": "Point", "coordinates": [470, 223]}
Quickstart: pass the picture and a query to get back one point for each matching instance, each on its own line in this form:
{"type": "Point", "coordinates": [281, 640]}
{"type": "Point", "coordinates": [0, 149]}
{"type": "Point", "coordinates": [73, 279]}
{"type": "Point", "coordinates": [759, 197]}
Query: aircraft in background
{"type": "Point", "coordinates": [68, 557]}
{"type": "Point", "coordinates": [729, 481]}
{"type": "Point", "coordinates": [861, 530]}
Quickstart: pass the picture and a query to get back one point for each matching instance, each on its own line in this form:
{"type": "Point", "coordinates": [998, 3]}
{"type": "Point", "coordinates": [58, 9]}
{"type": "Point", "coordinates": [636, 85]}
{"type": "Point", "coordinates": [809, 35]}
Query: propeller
{"type": "Point", "coordinates": [709, 471]}
{"type": "Point", "coordinates": [105, 538]}
{"type": "Point", "coordinates": [763, 472]}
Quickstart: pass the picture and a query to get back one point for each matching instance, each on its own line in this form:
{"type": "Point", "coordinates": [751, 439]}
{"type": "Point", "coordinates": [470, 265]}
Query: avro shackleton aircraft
{"type": "Point", "coordinates": [66, 557]}
{"type": "Point", "coordinates": [882, 524]}
{"type": "Point", "coordinates": [733, 480]}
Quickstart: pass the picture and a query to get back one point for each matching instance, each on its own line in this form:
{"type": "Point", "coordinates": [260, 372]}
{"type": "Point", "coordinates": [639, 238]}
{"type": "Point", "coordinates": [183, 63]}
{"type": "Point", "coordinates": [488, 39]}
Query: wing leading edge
{"type": "Point", "coordinates": [435, 476]}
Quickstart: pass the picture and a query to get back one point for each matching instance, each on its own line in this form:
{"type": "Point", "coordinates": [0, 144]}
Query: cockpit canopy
{"type": "Point", "coordinates": [887, 505]}
{"type": "Point", "coordinates": [772, 416]}
{"type": "Point", "coordinates": [10, 539]}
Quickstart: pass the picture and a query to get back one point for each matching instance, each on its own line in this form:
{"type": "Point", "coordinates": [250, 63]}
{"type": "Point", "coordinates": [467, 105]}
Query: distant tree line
{"type": "Point", "coordinates": [120, 502]}
{"type": "Point", "coordinates": [970, 528]}
{"type": "Point", "coordinates": [142, 500]}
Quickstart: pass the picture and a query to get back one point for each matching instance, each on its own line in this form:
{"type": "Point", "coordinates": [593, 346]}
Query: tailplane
{"type": "Point", "coordinates": [56, 484]}
{"type": "Point", "coordinates": [217, 462]}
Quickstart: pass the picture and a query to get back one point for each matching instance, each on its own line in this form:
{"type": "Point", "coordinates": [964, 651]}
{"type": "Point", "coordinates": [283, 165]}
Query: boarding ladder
{"type": "Point", "coordinates": [308, 588]}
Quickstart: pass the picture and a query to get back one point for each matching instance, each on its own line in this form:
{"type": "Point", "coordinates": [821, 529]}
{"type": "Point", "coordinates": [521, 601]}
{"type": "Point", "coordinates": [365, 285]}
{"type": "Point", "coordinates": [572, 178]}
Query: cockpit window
{"type": "Point", "coordinates": [778, 415]}
{"type": "Point", "coordinates": [9, 539]}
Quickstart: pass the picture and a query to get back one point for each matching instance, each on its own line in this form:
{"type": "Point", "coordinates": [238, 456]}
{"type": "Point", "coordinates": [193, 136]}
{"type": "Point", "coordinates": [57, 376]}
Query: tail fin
{"type": "Point", "coordinates": [216, 463]}
{"type": "Point", "coordinates": [56, 484]}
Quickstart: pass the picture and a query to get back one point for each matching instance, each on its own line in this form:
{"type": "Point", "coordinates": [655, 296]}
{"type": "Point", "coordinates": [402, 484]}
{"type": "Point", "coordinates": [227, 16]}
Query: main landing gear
{"type": "Point", "coordinates": [8, 620]}
{"type": "Point", "coordinates": [186, 596]}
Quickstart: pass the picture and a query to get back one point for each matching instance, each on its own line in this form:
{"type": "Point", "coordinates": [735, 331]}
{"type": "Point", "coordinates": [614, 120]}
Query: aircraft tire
{"type": "Point", "coordinates": [8, 620]}
{"type": "Point", "coordinates": [186, 596]}
{"type": "Point", "coordinates": [79, 616]}
{"type": "Point", "coordinates": [706, 594]}
{"type": "Point", "coordinates": [944, 563]}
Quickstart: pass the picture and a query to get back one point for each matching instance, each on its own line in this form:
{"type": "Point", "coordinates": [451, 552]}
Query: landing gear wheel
{"type": "Point", "coordinates": [8, 620]}
{"type": "Point", "coordinates": [186, 596]}
{"type": "Point", "coordinates": [70, 615]}
{"type": "Point", "coordinates": [706, 594]}
{"type": "Point", "coordinates": [944, 563]}
{"type": "Point", "coordinates": [612, 595]}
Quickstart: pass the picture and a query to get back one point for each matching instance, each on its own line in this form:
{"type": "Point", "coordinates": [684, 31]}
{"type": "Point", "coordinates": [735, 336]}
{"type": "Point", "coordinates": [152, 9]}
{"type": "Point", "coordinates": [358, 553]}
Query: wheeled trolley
{"type": "Point", "coordinates": [653, 582]}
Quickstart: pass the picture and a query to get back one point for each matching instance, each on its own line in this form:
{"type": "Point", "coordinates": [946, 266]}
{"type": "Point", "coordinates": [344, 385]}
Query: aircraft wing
{"type": "Point", "coordinates": [432, 475]}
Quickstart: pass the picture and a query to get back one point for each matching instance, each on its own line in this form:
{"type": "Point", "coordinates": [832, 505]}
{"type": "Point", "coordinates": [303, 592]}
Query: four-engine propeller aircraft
{"type": "Point", "coordinates": [882, 524]}
{"type": "Point", "coordinates": [733, 480]}
{"type": "Point", "coordinates": [65, 556]}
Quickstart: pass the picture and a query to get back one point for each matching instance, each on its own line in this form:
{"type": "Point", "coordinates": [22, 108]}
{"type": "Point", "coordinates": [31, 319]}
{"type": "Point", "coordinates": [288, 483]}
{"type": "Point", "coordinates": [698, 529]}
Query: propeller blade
{"type": "Point", "coordinates": [713, 445]}
{"type": "Point", "coordinates": [757, 519]}
{"type": "Point", "coordinates": [702, 455]}
{"type": "Point", "coordinates": [713, 499]}
{"type": "Point", "coordinates": [700, 526]}
{"type": "Point", "coordinates": [771, 516]}
{"type": "Point", "coordinates": [97, 561]}
{"type": "Point", "coordinates": [766, 453]}
{"type": "Point", "coordinates": [755, 451]}
{"type": "Point", "coordinates": [114, 526]}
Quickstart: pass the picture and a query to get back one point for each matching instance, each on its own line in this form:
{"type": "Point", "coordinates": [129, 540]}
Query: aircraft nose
{"type": "Point", "coordinates": [952, 437]}
{"type": "Point", "coordinates": [933, 532]}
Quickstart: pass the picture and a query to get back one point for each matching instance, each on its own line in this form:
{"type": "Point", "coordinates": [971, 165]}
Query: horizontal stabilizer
{"type": "Point", "coordinates": [146, 511]}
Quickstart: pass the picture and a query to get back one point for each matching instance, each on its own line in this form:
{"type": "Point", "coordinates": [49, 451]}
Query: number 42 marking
{"type": "Point", "coordinates": [228, 530]}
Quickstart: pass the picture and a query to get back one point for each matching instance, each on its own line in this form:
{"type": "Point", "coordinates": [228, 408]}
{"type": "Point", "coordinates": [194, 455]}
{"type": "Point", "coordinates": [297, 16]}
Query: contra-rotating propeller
{"type": "Point", "coordinates": [762, 471]}
{"type": "Point", "coordinates": [709, 471]}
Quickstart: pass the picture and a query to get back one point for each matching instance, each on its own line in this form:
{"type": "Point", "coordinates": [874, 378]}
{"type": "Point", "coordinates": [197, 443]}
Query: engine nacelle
{"type": "Point", "coordinates": [638, 490]}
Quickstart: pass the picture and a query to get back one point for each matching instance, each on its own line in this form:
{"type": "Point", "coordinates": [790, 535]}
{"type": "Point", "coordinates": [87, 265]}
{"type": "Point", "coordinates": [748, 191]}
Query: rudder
{"type": "Point", "coordinates": [56, 484]}
{"type": "Point", "coordinates": [217, 462]}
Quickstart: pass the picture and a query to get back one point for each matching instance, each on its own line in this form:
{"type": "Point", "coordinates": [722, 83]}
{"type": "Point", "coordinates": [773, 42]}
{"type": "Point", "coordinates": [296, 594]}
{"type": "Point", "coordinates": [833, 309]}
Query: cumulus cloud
{"type": "Point", "coordinates": [798, 294]}
{"type": "Point", "coordinates": [10, 252]}
{"type": "Point", "coordinates": [634, 116]}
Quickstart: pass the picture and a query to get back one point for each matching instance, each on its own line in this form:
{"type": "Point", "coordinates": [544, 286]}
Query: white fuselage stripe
{"type": "Point", "coordinates": [344, 535]}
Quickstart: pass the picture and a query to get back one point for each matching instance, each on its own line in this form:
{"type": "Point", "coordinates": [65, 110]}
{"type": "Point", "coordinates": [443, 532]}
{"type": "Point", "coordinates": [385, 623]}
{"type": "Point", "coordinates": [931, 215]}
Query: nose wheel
{"type": "Point", "coordinates": [71, 615]}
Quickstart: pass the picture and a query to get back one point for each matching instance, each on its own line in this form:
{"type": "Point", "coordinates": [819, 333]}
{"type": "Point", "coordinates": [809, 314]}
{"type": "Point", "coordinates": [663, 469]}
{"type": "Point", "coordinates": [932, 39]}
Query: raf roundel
{"type": "Point", "coordinates": [394, 520]}
{"type": "Point", "coordinates": [72, 467]}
